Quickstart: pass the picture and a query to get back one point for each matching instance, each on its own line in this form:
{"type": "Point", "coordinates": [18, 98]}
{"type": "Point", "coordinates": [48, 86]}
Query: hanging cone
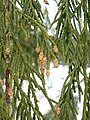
{"type": "Point", "coordinates": [46, 2]}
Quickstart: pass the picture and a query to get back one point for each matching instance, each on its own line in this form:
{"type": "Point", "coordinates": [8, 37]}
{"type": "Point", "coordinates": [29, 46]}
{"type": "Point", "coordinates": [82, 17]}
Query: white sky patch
{"type": "Point", "coordinates": [18, 6]}
{"type": "Point", "coordinates": [52, 8]}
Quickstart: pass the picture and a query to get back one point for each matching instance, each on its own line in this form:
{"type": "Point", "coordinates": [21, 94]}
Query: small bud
{"type": "Point", "coordinates": [41, 56]}
{"type": "Point", "coordinates": [37, 49]}
{"type": "Point", "coordinates": [38, 61]}
{"type": "Point", "coordinates": [7, 51]}
{"type": "Point", "coordinates": [44, 61]}
{"type": "Point", "coordinates": [55, 49]}
{"type": "Point", "coordinates": [10, 92]}
{"type": "Point", "coordinates": [47, 73]}
{"type": "Point", "coordinates": [46, 2]}
{"type": "Point", "coordinates": [1, 82]}
{"type": "Point", "coordinates": [42, 69]}
{"type": "Point", "coordinates": [57, 111]}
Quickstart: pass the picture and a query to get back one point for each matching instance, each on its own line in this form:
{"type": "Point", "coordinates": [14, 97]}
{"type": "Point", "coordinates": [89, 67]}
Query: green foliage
{"type": "Point", "coordinates": [66, 107]}
{"type": "Point", "coordinates": [73, 35]}
{"type": "Point", "coordinates": [2, 104]}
